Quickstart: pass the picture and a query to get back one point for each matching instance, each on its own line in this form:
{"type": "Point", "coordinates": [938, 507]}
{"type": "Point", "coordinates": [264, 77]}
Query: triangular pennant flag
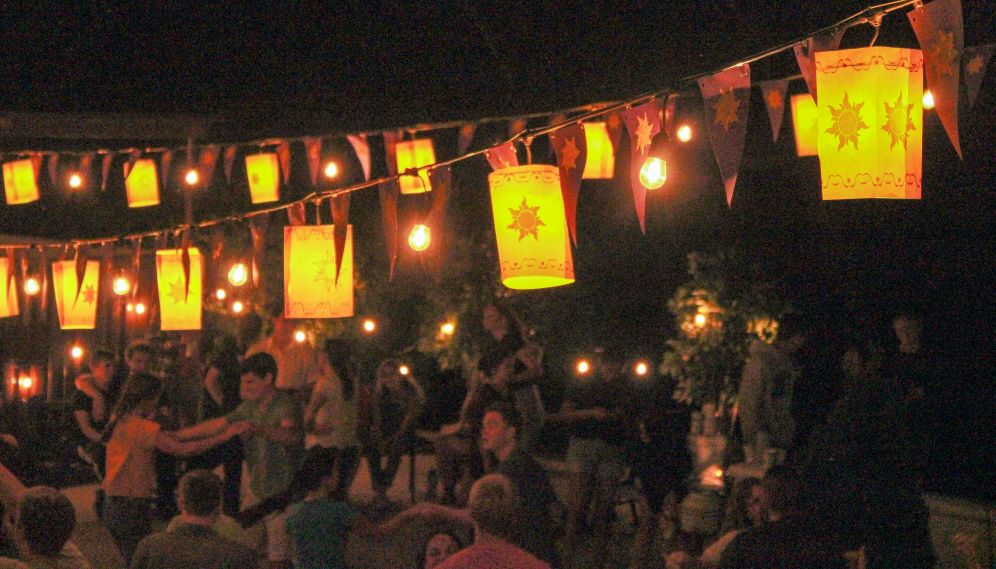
{"type": "Point", "coordinates": [340, 221]}
{"type": "Point", "coordinates": [774, 100]}
{"type": "Point", "coordinates": [727, 101]}
{"type": "Point", "coordinates": [229, 158]}
{"type": "Point", "coordinates": [643, 123]}
{"type": "Point", "coordinates": [106, 170]}
{"type": "Point", "coordinates": [389, 214]}
{"type": "Point", "coordinates": [209, 157]}
{"type": "Point", "coordinates": [466, 136]}
{"type": "Point", "coordinates": [12, 254]}
{"type": "Point", "coordinates": [53, 168]}
{"type": "Point", "coordinates": [166, 160]}
{"type": "Point", "coordinates": [257, 230]}
{"type": "Point", "coordinates": [362, 150]}
{"type": "Point", "coordinates": [571, 147]}
{"type": "Point", "coordinates": [295, 214]}
{"type": "Point", "coordinates": [133, 157]}
{"type": "Point", "coordinates": [217, 244]}
{"type": "Point", "coordinates": [939, 29]}
{"type": "Point", "coordinates": [976, 60]}
{"type": "Point", "coordinates": [86, 162]}
{"type": "Point", "coordinates": [669, 109]}
{"type": "Point", "coordinates": [284, 155]}
{"type": "Point", "coordinates": [44, 280]}
{"type": "Point", "coordinates": [440, 179]}
{"type": "Point", "coordinates": [314, 148]}
{"type": "Point", "coordinates": [391, 139]}
{"type": "Point", "coordinates": [805, 55]}
{"type": "Point", "coordinates": [185, 262]}
{"type": "Point", "coordinates": [136, 264]}
{"type": "Point", "coordinates": [614, 126]}
{"type": "Point", "coordinates": [80, 270]}
{"type": "Point", "coordinates": [503, 156]}
{"type": "Point", "coordinates": [516, 126]}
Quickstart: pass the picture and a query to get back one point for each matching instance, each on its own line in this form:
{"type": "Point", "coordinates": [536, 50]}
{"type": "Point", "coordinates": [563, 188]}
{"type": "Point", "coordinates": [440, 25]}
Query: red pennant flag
{"type": "Point", "coordinates": [939, 29]}
{"type": "Point", "coordinates": [466, 137]}
{"type": "Point", "coordinates": [976, 60]}
{"type": "Point", "coordinates": [727, 100]}
{"type": "Point", "coordinates": [805, 55]}
{"type": "Point", "coordinates": [614, 126]}
{"type": "Point", "coordinates": [136, 262]}
{"type": "Point", "coordinates": [340, 219]}
{"type": "Point", "coordinates": [643, 123]}
{"type": "Point", "coordinates": [44, 280]}
{"type": "Point", "coordinates": [572, 154]}
{"type": "Point", "coordinates": [53, 168]}
{"type": "Point", "coordinates": [295, 214]}
{"type": "Point", "coordinates": [774, 100]}
{"type": "Point", "coordinates": [669, 109]}
{"type": "Point", "coordinates": [284, 156]}
{"type": "Point", "coordinates": [217, 244]}
{"type": "Point", "coordinates": [502, 156]}
{"type": "Point", "coordinates": [80, 270]}
{"type": "Point", "coordinates": [209, 157]}
{"type": "Point", "coordinates": [389, 214]}
{"type": "Point", "coordinates": [185, 262]}
{"type": "Point", "coordinates": [516, 126]}
{"type": "Point", "coordinates": [86, 162]}
{"type": "Point", "coordinates": [229, 158]}
{"type": "Point", "coordinates": [133, 157]}
{"type": "Point", "coordinates": [166, 160]}
{"type": "Point", "coordinates": [362, 150]}
{"type": "Point", "coordinates": [12, 255]}
{"type": "Point", "coordinates": [106, 170]}
{"type": "Point", "coordinates": [257, 229]}
{"type": "Point", "coordinates": [314, 148]}
{"type": "Point", "coordinates": [440, 179]}
{"type": "Point", "coordinates": [391, 140]}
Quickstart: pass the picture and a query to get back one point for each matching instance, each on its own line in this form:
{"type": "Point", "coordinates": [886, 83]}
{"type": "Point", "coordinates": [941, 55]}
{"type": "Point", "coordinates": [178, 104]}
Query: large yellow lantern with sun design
{"type": "Point", "coordinates": [601, 162]}
{"type": "Point", "coordinates": [20, 182]}
{"type": "Point", "coordinates": [534, 248]}
{"type": "Point", "coordinates": [179, 306]}
{"type": "Point", "coordinates": [311, 289]}
{"type": "Point", "coordinates": [77, 305]}
{"type": "Point", "coordinates": [263, 171]}
{"type": "Point", "coordinates": [142, 184]}
{"type": "Point", "coordinates": [415, 154]}
{"type": "Point", "coordinates": [8, 290]}
{"type": "Point", "coordinates": [870, 122]}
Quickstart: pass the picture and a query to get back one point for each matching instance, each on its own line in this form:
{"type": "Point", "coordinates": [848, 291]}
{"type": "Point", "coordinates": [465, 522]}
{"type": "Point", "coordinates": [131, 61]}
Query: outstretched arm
{"type": "Point", "coordinates": [202, 430]}
{"type": "Point", "coordinates": [168, 443]}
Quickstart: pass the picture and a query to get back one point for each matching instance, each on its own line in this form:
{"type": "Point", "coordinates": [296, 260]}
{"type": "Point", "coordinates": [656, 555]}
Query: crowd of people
{"type": "Point", "coordinates": [297, 422]}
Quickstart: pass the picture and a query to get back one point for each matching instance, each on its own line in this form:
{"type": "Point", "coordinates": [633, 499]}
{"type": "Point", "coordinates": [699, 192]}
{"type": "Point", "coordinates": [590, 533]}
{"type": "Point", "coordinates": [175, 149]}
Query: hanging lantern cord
{"type": "Point", "coordinates": [876, 22]}
{"type": "Point", "coordinates": [528, 143]}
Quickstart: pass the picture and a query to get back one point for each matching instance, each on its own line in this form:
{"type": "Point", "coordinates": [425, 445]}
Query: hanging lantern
{"type": "Point", "coordinates": [76, 311]}
{"type": "Point", "coordinates": [601, 162]}
{"type": "Point", "coordinates": [414, 154]}
{"type": "Point", "coordinates": [870, 122]}
{"type": "Point", "coordinates": [8, 299]}
{"type": "Point", "coordinates": [179, 306]}
{"type": "Point", "coordinates": [142, 184]}
{"type": "Point", "coordinates": [311, 289]}
{"type": "Point", "coordinates": [20, 182]}
{"type": "Point", "coordinates": [263, 171]}
{"type": "Point", "coordinates": [804, 124]}
{"type": "Point", "coordinates": [531, 227]}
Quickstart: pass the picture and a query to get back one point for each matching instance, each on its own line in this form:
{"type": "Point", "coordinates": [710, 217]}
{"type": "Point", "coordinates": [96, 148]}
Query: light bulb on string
{"type": "Point", "coordinates": [928, 99]}
{"type": "Point", "coordinates": [191, 177]}
{"type": "Point", "coordinates": [446, 329]}
{"type": "Point", "coordinates": [31, 286]}
{"type": "Point", "coordinates": [130, 307]}
{"type": "Point", "coordinates": [75, 181]}
{"type": "Point", "coordinates": [237, 307]}
{"type": "Point", "coordinates": [331, 170]}
{"type": "Point", "coordinates": [641, 368]}
{"type": "Point", "coordinates": [121, 286]}
{"type": "Point", "coordinates": [220, 294]}
{"type": "Point", "coordinates": [300, 336]}
{"type": "Point", "coordinates": [583, 367]}
{"type": "Point", "coordinates": [139, 308]}
{"type": "Point", "coordinates": [684, 133]}
{"type": "Point", "coordinates": [369, 326]}
{"type": "Point", "coordinates": [653, 174]}
{"type": "Point", "coordinates": [404, 370]}
{"type": "Point", "coordinates": [76, 352]}
{"type": "Point", "coordinates": [419, 238]}
{"type": "Point", "coordinates": [238, 274]}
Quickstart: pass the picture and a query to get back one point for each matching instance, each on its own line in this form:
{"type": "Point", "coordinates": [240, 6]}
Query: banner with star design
{"type": "Point", "coordinates": [571, 147]}
{"type": "Point", "coordinates": [503, 156]}
{"type": "Point", "coordinates": [76, 312]}
{"type": "Point", "coordinates": [805, 55]}
{"type": "Point", "coordinates": [976, 60]}
{"type": "Point", "coordinates": [313, 146]}
{"type": "Point", "coordinates": [389, 191]}
{"type": "Point", "coordinates": [774, 99]}
{"type": "Point", "coordinates": [362, 150]}
{"type": "Point", "coordinates": [179, 297]}
{"type": "Point", "coordinates": [939, 29]}
{"type": "Point", "coordinates": [340, 220]}
{"type": "Point", "coordinates": [726, 98]}
{"type": "Point", "coordinates": [643, 123]}
{"type": "Point", "coordinates": [465, 137]}
{"type": "Point", "coordinates": [311, 288]}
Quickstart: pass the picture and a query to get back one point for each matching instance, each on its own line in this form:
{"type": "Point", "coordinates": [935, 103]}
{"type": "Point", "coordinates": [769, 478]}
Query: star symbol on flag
{"type": "Point", "coordinates": [943, 53]}
{"type": "Point", "coordinates": [643, 131]}
{"type": "Point", "coordinates": [612, 121]}
{"type": "Point", "coordinates": [89, 295]}
{"type": "Point", "coordinates": [177, 293]}
{"type": "Point", "coordinates": [975, 65]}
{"type": "Point", "coordinates": [726, 108]}
{"type": "Point", "coordinates": [774, 99]}
{"type": "Point", "coordinates": [569, 154]}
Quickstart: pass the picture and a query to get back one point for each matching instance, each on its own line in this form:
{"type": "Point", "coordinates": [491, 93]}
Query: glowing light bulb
{"type": "Point", "coordinates": [369, 325]}
{"type": "Point", "coordinates": [237, 307]}
{"type": "Point", "coordinates": [75, 181]}
{"type": "Point", "coordinates": [139, 308]}
{"type": "Point", "coordinates": [238, 274]}
{"type": "Point", "coordinates": [685, 133]}
{"type": "Point", "coordinates": [76, 352]}
{"type": "Point", "coordinates": [130, 307]}
{"type": "Point", "coordinates": [31, 286]}
{"type": "Point", "coordinates": [583, 367]}
{"type": "Point", "coordinates": [654, 173]}
{"type": "Point", "coordinates": [331, 170]}
{"type": "Point", "coordinates": [641, 369]}
{"type": "Point", "coordinates": [220, 293]}
{"type": "Point", "coordinates": [928, 99]}
{"type": "Point", "coordinates": [121, 286]}
{"type": "Point", "coordinates": [191, 177]}
{"type": "Point", "coordinates": [700, 319]}
{"type": "Point", "coordinates": [446, 328]}
{"type": "Point", "coordinates": [419, 238]}
{"type": "Point", "coordinates": [25, 382]}
{"type": "Point", "coordinates": [300, 336]}
{"type": "Point", "coordinates": [403, 370]}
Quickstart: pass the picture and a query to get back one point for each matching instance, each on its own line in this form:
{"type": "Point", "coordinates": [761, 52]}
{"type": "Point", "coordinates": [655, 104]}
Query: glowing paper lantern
{"type": "Point", "coordinates": [76, 312]}
{"type": "Point", "coordinates": [531, 227]}
{"type": "Point", "coordinates": [263, 171]}
{"type": "Point", "coordinates": [870, 122]}
{"type": "Point", "coordinates": [310, 286]}
{"type": "Point", "coordinates": [804, 124]}
{"type": "Point", "coordinates": [8, 294]}
{"type": "Point", "coordinates": [142, 184]}
{"type": "Point", "coordinates": [601, 162]}
{"type": "Point", "coordinates": [414, 154]}
{"type": "Point", "coordinates": [19, 182]}
{"type": "Point", "coordinates": [179, 307]}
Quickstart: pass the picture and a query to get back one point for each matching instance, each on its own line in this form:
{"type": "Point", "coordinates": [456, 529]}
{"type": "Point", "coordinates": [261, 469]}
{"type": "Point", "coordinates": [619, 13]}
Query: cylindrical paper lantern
{"type": "Point", "coordinates": [76, 312]}
{"type": "Point", "coordinates": [179, 307]}
{"type": "Point", "coordinates": [601, 162]}
{"type": "Point", "coordinates": [804, 123]}
{"type": "Point", "coordinates": [310, 286]}
{"type": "Point", "coordinates": [870, 122]}
{"type": "Point", "coordinates": [19, 182]}
{"type": "Point", "coordinates": [531, 227]}
{"type": "Point", "coordinates": [413, 154]}
{"type": "Point", "coordinates": [8, 294]}
{"type": "Point", "coordinates": [264, 177]}
{"type": "Point", "coordinates": [142, 184]}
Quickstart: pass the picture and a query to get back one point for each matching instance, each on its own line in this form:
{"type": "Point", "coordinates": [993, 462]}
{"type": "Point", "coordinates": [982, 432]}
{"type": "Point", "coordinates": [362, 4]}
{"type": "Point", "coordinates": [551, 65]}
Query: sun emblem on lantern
{"type": "Point", "coordinates": [526, 220]}
{"type": "Point", "coordinates": [177, 293]}
{"type": "Point", "coordinates": [846, 123]}
{"type": "Point", "coordinates": [900, 123]}
{"type": "Point", "coordinates": [726, 108]}
{"type": "Point", "coordinates": [323, 265]}
{"type": "Point", "coordinates": [89, 295]}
